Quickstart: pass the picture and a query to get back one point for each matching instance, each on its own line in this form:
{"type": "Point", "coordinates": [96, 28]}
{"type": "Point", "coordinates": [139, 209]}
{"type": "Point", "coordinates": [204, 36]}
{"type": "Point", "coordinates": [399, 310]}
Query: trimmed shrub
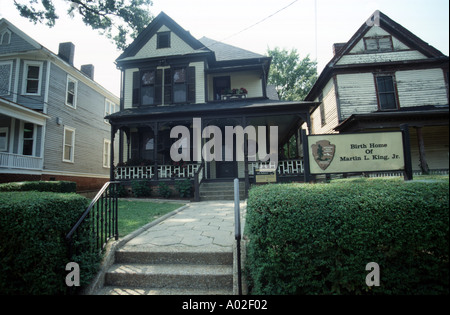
{"type": "Point", "coordinates": [141, 188]}
{"type": "Point", "coordinates": [52, 186]}
{"type": "Point", "coordinates": [318, 239]}
{"type": "Point", "coordinates": [33, 250]}
{"type": "Point", "coordinates": [184, 188]}
{"type": "Point", "coordinates": [164, 190]}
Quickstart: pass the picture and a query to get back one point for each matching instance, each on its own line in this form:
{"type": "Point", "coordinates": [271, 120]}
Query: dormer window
{"type": "Point", "coordinates": [378, 44]}
{"type": "Point", "coordinates": [163, 40]}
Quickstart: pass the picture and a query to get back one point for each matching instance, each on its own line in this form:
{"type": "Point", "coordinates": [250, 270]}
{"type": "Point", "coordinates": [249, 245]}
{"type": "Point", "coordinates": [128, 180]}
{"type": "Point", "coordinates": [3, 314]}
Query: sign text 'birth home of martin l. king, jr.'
{"type": "Point", "coordinates": [362, 152]}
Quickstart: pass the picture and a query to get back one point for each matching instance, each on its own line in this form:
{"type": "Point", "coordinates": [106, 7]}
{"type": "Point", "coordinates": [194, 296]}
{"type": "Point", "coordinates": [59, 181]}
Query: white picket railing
{"type": "Point", "coordinates": [286, 167]}
{"type": "Point", "coordinates": [10, 160]}
{"type": "Point", "coordinates": [148, 172]}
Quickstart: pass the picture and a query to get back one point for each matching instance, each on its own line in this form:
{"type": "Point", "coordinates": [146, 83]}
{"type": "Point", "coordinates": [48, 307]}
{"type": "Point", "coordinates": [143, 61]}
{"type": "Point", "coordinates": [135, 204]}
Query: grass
{"type": "Point", "coordinates": [135, 214]}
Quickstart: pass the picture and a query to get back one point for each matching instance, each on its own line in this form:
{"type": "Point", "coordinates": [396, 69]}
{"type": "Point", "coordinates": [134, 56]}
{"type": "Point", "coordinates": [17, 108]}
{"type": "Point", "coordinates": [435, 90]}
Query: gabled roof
{"type": "Point", "coordinates": [153, 27]}
{"type": "Point", "coordinates": [392, 27]}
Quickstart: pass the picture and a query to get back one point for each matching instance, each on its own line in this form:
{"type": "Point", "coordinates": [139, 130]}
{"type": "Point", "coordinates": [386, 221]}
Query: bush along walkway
{"type": "Point", "coordinates": [190, 252]}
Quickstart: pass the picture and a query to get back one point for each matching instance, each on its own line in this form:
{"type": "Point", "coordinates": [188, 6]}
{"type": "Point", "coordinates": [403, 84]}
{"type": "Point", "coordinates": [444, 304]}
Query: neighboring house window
{"type": "Point", "coordinates": [386, 92]}
{"type": "Point", "coordinates": [163, 40]}
{"type": "Point", "coordinates": [5, 77]}
{"type": "Point", "coordinates": [71, 92]}
{"type": "Point", "coordinates": [5, 37]}
{"type": "Point", "coordinates": [110, 108]}
{"type": "Point", "coordinates": [378, 44]}
{"type": "Point", "coordinates": [106, 153]}
{"type": "Point", "coordinates": [4, 139]}
{"type": "Point", "coordinates": [28, 136]}
{"type": "Point", "coordinates": [68, 144]}
{"type": "Point", "coordinates": [32, 78]}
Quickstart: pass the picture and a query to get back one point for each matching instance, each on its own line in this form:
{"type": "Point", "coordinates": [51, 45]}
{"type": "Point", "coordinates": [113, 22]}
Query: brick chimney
{"type": "Point", "coordinates": [67, 52]}
{"type": "Point", "coordinates": [88, 70]}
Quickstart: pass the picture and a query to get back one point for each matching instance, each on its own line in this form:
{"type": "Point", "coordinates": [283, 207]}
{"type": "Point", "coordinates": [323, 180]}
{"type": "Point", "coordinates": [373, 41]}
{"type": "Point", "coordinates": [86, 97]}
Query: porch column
{"type": "Point", "coordinates": [155, 146]}
{"type": "Point", "coordinates": [423, 160]}
{"type": "Point", "coordinates": [247, 179]}
{"type": "Point", "coordinates": [111, 157]}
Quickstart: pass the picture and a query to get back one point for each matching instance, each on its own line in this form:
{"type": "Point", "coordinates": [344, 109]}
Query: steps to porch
{"type": "Point", "coordinates": [220, 190]}
{"type": "Point", "coordinates": [188, 253]}
{"type": "Point", "coordinates": [170, 272]}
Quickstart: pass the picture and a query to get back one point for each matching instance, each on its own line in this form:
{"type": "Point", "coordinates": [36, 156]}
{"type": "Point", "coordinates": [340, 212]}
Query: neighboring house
{"type": "Point", "coordinates": [169, 78]}
{"type": "Point", "coordinates": [385, 76]}
{"type": "Point", "coordinates": [52, 124]}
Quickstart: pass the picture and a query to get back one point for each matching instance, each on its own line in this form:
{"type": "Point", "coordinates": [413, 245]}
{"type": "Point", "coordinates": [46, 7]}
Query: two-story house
{"type": "Point", "coordinates": [170, 79]}
{"type": "Point", "coordinates": [52, 124]}
{"type": "Point", "coordinates": [383, 77]}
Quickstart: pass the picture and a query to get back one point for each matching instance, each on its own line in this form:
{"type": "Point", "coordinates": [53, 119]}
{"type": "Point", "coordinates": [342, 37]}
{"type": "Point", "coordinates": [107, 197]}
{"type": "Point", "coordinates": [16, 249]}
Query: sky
{"type": "Point", "coordinates": [309, 26]}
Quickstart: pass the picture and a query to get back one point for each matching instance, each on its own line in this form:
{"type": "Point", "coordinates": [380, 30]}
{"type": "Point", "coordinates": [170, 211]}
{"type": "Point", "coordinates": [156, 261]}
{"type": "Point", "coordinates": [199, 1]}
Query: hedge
{"type": "Point", "coordinates": [53, 186]}
{"type": "Point", "coordinates": [318, 238]}
{"type": "Point", "coordinates": [33, 251]}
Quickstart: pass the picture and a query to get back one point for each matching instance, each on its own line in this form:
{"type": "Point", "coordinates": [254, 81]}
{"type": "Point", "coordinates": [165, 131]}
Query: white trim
{"type": "Point", "coordinates": [3, 34]}
{"type": "Point", "coordinates": [6, 131]}
{"type": "Point", "coordinates": [3, 63]}
{"type": "Point", "coordinates": [112, 108]}
{"type": "Point", "coordinates": [21, 112]}
{"type": "Point", "coordinates": [21, 138]}
{"type": "Point", "coordinates": [26, 64]}
{"type": "Point", "coordinates": [75, 95]}
{"type": "Point", "coordinates": [72, 156]}
{"type": "Point", "coordinates": [108, 154]}
{"type": "Point", "coordinates": [47, 86]}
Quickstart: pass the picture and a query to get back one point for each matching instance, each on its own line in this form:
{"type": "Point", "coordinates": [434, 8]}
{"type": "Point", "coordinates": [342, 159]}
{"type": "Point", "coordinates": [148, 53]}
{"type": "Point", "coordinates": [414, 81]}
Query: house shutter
{"type": "Point", "coordinates": [136, 85]}
{"type": "Point", "coordinates": [168, 86]}
{"type": "Point", "coordinates": [158, 87]}
{"type": "Point", "coordinates": [191, 84]}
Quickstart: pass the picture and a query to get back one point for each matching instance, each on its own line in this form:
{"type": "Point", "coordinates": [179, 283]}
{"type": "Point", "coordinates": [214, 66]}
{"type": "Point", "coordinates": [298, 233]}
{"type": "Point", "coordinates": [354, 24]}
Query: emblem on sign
{"type": "Point", "coordinates": [323, 152]}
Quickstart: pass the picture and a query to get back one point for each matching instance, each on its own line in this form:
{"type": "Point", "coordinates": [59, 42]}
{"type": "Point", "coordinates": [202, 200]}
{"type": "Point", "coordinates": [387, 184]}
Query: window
{"type": "Point", "coordinates": [5, 77]}
{"type": "Point", "coordinates": [32, 78]}
{"type": "Point", "coordinates": [71, 92]}
{"type": "Point", "coordinates": [378, 44]}
{"type": "Point", "coordinates": [106, 153]}
{"type": "Point", "coordinates": [68, 144]}
{"type": "Point", "coordinates": [3, 139]}
{"type": "Point", "coordinates": [5, 37]}
{"type": "Point", "coordinates": [386, 92]}
{"type": "Point", "coordinates": [163, 40]}
{"type": "Point", "coordinates": [28, 139]}
{"type": "Point", "coordinates": [110, 108]}
{"type": "Point", "coordinates": [163, 86]}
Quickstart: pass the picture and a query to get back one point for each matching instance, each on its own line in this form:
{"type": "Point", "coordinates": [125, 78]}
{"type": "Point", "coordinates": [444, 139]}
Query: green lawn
{"type": "Point", "coordinates": [135, 214]}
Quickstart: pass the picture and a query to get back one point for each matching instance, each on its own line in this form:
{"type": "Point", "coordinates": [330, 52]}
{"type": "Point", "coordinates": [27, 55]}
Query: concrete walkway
{"type": "Point", "coordinates": [189, 251]}
{"type": "Point", "coordinates": [202, 226]}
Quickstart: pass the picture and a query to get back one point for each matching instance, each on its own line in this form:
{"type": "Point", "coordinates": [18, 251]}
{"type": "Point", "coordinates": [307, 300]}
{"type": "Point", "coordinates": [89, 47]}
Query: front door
{"type": "Point", "coordinates": [226, 169]}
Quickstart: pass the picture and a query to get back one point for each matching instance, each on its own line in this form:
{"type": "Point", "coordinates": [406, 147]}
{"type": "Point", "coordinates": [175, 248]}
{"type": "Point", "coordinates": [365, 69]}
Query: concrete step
{"type": "Point", "coordinates": [174, 257]}
{"type": "Point", "coordinates": [220, 191]}
{"type": "Point", "coordinates": [177, 276]}
{"type": "Point", "coordinates": [160, 291]}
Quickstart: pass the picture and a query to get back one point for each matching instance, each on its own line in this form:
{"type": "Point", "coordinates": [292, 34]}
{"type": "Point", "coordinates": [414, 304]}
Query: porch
{"type": "Point", "coordinates": [146, 140]}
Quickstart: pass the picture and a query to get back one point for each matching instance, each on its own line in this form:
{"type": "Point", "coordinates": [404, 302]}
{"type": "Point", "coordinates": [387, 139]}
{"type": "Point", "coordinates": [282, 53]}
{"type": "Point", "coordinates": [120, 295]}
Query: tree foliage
{"type": "Point", "coordinates": [120, 20]}
{"type": "Point", "coordinates": [292, 76]}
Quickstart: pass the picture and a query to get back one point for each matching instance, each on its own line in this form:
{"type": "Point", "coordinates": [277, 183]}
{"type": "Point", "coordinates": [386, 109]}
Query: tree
{"type": "Point", "coordinates": [292, 77]}
{"type": "Point", "coordinates": [119, 20]}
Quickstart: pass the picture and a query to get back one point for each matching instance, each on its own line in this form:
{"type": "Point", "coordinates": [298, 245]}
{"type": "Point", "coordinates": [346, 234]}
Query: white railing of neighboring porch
{"type": "Point", "coordinates": [10, 160]}
{"type": "Point", "coordinates": [148, 172]}
{"type": "Point", "coordinates": [286, 167]}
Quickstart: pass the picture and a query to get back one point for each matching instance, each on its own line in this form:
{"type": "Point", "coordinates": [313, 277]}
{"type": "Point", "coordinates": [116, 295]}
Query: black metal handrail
{"type": "Point", "coordinates": [197, 181]}
{"type": "Point", "coordinates": [237, 232]}
{"type": "Point", "coordinates": [102, 213]}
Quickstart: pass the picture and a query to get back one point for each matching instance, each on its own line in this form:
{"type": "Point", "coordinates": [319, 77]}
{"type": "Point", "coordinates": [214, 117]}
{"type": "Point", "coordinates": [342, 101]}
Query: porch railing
{"type": "Point", "coordinates": [285, 167]}
{"type": "Point", "coordinates": [11, 160]}
{"type": "Point", "coordinates": [148, 172]}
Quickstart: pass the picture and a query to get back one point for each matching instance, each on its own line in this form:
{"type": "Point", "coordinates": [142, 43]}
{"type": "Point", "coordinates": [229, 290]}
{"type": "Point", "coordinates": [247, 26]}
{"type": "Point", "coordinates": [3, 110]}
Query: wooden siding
{"type": "Point", "coordinates": [177, 47]}
{"type": "Point", "coordinates": [86, 119]}
{"type": "Point", "coordinates": [436, 140]}
{"type": "Point", "coordinates": [331, 112]}
{"type": "Point", "coordinates": [16, 45]}
{"type": "Point", "coordinates": [400, 51]}
{"type": "Point", "coordinates": [356, 94]}
{"type": "Point", "coordinates": [421, 87]}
